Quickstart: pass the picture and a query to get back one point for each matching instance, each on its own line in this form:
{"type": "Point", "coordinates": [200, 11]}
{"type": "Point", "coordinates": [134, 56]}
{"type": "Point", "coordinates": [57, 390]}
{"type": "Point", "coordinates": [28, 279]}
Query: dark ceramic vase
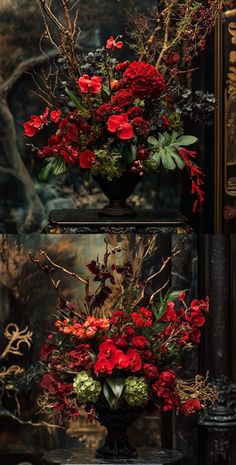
{"type": "Point", "coordinates": [117, 191]}
{"type": "Point", "coordinates": [117, 422]}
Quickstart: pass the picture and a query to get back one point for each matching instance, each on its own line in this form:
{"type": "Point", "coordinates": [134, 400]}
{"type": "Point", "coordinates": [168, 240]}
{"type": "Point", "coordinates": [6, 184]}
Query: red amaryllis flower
{"type": "Point", "coordinates": [86, 159]}
{"type": "Point", "coordinates": [108, 348]}
{"type": "Point", "coordinates": [135, 360]}
{"type": "Point", "coordinates": [112, 43]}
{"type": "Point", "coordinates": [103, 365]}
{"type": "Point", "coordinates": [121, 361]}
{"type": "Point", "coordinates": [120, 125]}
{"type": "Point", "coordinates": [144, 80]}
{"type": "Point", "coordinates": [87, 84]}
{"type": "Point", "coordinates": [190, 406]}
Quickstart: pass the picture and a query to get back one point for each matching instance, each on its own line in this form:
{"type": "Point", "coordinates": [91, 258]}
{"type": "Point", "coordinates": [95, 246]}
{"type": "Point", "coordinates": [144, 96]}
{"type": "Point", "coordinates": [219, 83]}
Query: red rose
{"type": "Point", "coordinates": [87, 159]}
{"type": "Point", "coordinates": [135, 360]}
{"type": "Point", "coordinates": [112, 43]}
{"type": "Point", "coordinates": [46, 350]}
{"type": "Point", "coordinates": [150, 371]}
{"type": "Point", "coordinates": [87, 84]}
{"type": "Point", "coordinates": [55, 116]}
{"type": "Point", "coordinates": [121, 126]}
{"type": "Point", "coordinates": [167, 377]}
{"type": "Point", "coordinates": [190, 406]}
{"type": "Point", "coordinates": [145, 312]}
{"type": "Point", "coordinates": [139, 341]}
{"type": "Point", "coordinates": [144, 80]}
{"type": "Point", "coordinates": [170, 314]}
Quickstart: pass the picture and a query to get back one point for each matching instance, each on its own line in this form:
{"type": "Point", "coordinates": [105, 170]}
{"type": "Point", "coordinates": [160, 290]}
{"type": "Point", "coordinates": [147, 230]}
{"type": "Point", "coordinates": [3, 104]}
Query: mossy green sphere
{"type": "Point", "coordinates": [86, 388]}
{"type": "Point", "coordinates": [136, 391]}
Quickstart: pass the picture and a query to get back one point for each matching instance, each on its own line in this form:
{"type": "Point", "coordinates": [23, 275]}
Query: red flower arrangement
{"type": "Point", "coordinates": [128, 357]}
{"type": "Point", "coordinates": [126, 116]}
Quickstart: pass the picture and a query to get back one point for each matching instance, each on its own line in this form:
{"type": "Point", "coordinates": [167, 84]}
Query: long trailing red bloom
{"type": "Point", "coordinates": [195, 175]}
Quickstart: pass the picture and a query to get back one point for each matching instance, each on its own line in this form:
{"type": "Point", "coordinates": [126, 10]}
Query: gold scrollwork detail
{"type": "Point", "coordinates": [230, 110]}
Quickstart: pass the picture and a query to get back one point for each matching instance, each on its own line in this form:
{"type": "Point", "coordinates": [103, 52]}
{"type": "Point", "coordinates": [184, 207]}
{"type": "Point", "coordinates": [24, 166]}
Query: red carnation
{"type": "Point", "coordinates": [150, 371]}
{"type": "Point", "coordinates": [139, 341]}
{"type": "Point", "coordinates": [120, 125]}
{"type": "Point", "coordinates": [87, 84]}
{"type": "Point", "coordinates": [86, 159]}
{"type": "Point", "coordinates": [135, 360]}
{"type": "Point", "coordinates": [112, 43]}
{"type": "Point", "coordinates": [144, 80]}
{"type": "Point", "coordinates": [190, 406]}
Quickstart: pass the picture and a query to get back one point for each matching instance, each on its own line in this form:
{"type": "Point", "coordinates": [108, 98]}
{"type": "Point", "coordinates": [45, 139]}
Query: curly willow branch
{"type": "Point", "coordinates": [16, 338]}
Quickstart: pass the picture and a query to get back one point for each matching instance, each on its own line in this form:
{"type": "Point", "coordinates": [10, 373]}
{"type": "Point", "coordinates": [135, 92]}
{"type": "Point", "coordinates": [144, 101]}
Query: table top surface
{"type": "Point", "coordinates": [84, 456]}
{"type": "Point", "coordinates": [72, 216]}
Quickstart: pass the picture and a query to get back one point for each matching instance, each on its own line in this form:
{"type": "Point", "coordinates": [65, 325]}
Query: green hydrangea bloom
{"type": "Point", "coordinates": [136, 391]}
{"type": "Point", "coordinates": [86, 388]}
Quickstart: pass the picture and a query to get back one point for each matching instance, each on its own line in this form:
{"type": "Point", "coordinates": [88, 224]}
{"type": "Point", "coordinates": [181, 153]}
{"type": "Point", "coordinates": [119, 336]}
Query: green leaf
{"type": "Point", "coordinates": [157, 158]}
{"type": "Point", "coordinates": [173, 295]}
{"type": "Point", "coordinates": [133, 152]}
{"type": "Point", "coordinates": [109, 395]}
{"type": "Point", "coordinates": [167, 160]}
{"type": "Point", "coordinates": [178, 160]}
{"type": "Point", "coordinates": [153, 141]}
{"type": "Point", "coordinates": [77, 103]}
{"type": "Point", "coordinates": [186, 140]}
{"type": "Point", "coordinates": [117, 386]}
{"type": "Point", "coordinates": [55, 166]}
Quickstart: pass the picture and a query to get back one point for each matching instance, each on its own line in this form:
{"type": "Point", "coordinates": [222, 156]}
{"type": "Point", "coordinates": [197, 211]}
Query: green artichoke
{"type": "Point", "coordinates": [136, 391]}
{"type": "Point", "coordinates": [86, 388]}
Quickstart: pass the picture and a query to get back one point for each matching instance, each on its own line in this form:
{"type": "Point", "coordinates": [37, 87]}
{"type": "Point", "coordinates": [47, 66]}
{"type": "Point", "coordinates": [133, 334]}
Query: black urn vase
{"type": "Point", "coordinates": [117, 422]}
{"type": "Point", "coordinates": [117, 191]}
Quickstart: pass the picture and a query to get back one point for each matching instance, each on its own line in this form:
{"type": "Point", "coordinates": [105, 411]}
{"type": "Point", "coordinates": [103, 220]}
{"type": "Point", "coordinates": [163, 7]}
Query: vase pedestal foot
{"type": "Point", "coordinates": [117, 210]}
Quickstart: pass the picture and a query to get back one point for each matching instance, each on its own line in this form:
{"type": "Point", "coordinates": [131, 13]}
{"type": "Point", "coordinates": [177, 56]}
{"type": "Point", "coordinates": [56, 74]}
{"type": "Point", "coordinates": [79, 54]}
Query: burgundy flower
{"type": "Point", "coordinates": [144, 80]}
{"type": "Point", "coordinates": [87, 159]}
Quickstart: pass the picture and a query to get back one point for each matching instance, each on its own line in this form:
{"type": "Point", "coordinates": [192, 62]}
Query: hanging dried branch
{"type": "Point", "coordinates": [16, 338]}
{"type": "Point", "coordinates": [174, 252]}
{"type": "Point", "coordinates": [51, 270]}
